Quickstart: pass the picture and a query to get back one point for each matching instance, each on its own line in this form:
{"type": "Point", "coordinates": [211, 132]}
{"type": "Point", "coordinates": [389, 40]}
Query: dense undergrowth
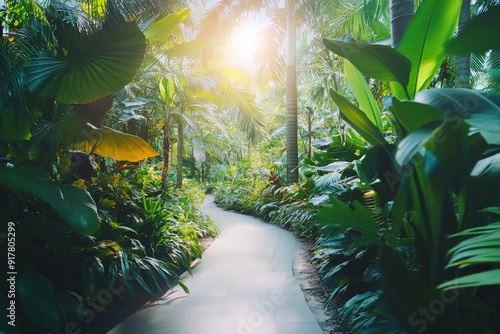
{"type": "Point", "coordinates": [277, 205]}
{"type": "Point", "coordinates": [146, 239]}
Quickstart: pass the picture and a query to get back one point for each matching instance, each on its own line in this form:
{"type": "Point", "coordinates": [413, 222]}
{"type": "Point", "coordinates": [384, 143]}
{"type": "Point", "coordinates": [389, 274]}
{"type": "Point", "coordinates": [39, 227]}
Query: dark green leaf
{"type": "Point", "coordinates": [359, 218]}
{"type": "Point", "coordinates": [15, 125]}
{"type": "Point", "coordinates": [412, 144]}
{"type": "Point", "coordinates": [358, 120]}
{"type": "Point", "coordinates": [413, 116]}
{"type": "Point", "coordinates": [74, 205]}
{"type": "Point", "coordinates": [484, 278]}
{"type": "Point", "coordinates": [375, 61]}
{"type": "Point", "coordinates": [36, 299]}
{"type": "Point", "coordinates": [480, 110]}
{"type": "Point", "coordinates": [479, 35]}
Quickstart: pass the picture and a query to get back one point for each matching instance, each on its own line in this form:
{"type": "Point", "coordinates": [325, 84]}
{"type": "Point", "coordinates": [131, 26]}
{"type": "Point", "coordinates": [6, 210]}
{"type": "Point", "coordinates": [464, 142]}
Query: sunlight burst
{"type": "Point", "coordinates": [244, 42]}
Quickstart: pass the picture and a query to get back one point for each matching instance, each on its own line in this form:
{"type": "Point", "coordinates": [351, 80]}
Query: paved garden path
{"type": "Point", "coordinates": [243, 285]}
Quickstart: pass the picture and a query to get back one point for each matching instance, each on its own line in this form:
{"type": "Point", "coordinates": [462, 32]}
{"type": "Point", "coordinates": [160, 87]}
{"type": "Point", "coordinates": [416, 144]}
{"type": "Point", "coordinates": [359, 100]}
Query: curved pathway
{"type": "Point", "coordinates": [243, 285]}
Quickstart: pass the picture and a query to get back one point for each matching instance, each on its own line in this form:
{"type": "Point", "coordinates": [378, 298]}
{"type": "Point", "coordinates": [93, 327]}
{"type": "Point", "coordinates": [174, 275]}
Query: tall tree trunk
{"type": "Point", "coordinates": [310, 120]}
{"type": "Point", "coordinates": [180, 148]}
{"type": "Point", "coordinates": [2, 5]}
{"type": "Point", "coordinates": [462, 63]}
{"type": "Point", "coordinates": [193, 162]}
{"type": "Point", "coordinates": [166, 149]}
{"type": "Point", "coordinates": [292, 151]}
{"type": "Point", "coordinates": [401, 14]}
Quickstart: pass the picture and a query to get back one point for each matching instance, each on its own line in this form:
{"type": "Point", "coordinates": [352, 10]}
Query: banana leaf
{"type": "Point", "coordinates": [364, 96]}
{"type": "Point", "coordinates": [424, 41]}
{"type": "Point", "coordinates": [358, 120]}
{"type": "Point", "coordinates": [375, 61]}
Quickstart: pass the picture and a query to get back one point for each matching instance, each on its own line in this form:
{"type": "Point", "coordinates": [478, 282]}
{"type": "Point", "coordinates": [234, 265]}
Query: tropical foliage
{"type": "Point", "coordinates": [105, 105]}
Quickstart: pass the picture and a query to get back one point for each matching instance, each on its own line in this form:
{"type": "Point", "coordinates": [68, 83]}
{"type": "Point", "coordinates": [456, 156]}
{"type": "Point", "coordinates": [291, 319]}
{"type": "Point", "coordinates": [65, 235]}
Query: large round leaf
{"type": "Point", "coordinates": [93, 66]}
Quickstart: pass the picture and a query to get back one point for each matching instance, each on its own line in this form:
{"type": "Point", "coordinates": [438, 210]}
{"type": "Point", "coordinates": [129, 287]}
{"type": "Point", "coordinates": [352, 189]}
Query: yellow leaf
{"type": "Point", "coordinates": [114, 144]}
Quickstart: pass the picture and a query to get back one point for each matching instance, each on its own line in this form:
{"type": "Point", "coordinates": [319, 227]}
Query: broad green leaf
{"type": "Point", "coordinates": [413, 116]}
{"type": "Point", "coordinates": [94, 66]}
{"type": "Point", "coordinates": [479, 35]}
{"type": "Point", "coordinates": [358, 119]}
{"type": "Point", "coordinates": [412, 144]}
{"type": "Point", "coordinates": [114, 144]}
{"type": "Point", "coordinates": [363, 94]}
{"type": "Point", "coordinates": [15, 124]}
{"type": "Point", "coordinates": [493, 209]}
{"type": "Point", "coordinates": [375, 61]}
{"type": "Point", "coordinates": [485, 174]}
{"type": "Point", "coordinates": [74, 205]}
{"type": "Point", "coordinates": [159, 31]}
{"type": "Point", "coordinates": [359, 219]}
{"type": "Point", "coordinates": [425, 38]}
{"type": "Point", "coordinates": [190, 48]}
{"type": "Point", "coordinates": [333, 167]}
{"type": "Point", "coordinates": [451, 144]}
{"type": "Point", "coordinates": [480, 110]}
{"type": "Point", "coordinates": [36, 299]}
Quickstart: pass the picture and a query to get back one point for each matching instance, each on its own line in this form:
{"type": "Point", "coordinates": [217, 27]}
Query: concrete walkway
{"type": "Point", "coordinates": [243, 285]}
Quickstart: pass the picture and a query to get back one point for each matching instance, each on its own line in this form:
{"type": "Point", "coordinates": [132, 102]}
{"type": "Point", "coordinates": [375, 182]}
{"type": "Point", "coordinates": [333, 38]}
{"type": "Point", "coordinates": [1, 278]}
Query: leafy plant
{"type": "Point", "coordinates": [445, 141]}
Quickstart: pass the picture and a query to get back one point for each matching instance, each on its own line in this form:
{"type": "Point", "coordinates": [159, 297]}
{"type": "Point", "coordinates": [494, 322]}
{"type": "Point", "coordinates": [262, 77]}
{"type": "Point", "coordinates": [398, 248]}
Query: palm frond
{"type": "Point", "coordinates": [271, 51]}
{"type": "Point", "coordinates": [480, 247]}
{"type": "Point", "coordinates": [242, 106]}
{"type": "Point", "coordinates": [360, 18]}
{"type": "Point", "coordinates": [493, 70]}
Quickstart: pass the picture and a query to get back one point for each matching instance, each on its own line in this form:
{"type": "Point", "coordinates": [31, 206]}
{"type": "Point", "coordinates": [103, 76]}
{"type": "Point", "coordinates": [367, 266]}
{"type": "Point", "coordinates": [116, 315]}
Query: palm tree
{"type": "Point", "coordinates": [292, 155]}
{"type": "Point", "coordinates": [462, 63]}
{"type": "Point", "coordinates": [401, 14]}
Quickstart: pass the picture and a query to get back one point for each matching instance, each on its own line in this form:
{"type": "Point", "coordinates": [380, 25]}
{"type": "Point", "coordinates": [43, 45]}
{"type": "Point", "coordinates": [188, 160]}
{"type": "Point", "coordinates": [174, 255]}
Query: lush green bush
{"type": "Point", "coordinates": [283, 206]}
{"type": "Point", "coordinates": [425, 239]}
{"type": "Point", "coordinates": [143, 244]}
